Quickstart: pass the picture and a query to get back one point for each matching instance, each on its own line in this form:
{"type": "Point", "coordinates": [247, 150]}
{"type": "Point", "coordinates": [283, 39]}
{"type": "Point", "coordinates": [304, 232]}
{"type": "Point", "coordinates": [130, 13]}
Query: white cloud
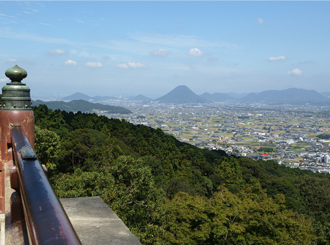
{"type": "Point", "coordinates": [295, 72]}
{"type": "Point", "coordinates": [10, 60]}
{"type": "Point", "coordinates": [277, 58]}
{"type": "Point", "coordinates": [83, 53]}
{"type": "Point", "coordinates": [70, 63]}
{"type": "Point", "coordinates": [130, 65]}
{"type": "Point", "coordinates": [56, 51]}
{"type": "Point", "coordinates": [159, 52]}
{"type": "Point", "coordinates": [135, 65]}
{"type": "Point", "coordinates": [260, 20]}
{"type": "Point", "coordinates": [93, 64]}
{"type": "Point", "coordinates": [138, 43]}
{"type": "Point", "coordinates": [2, 80]}
{"type": "Point", "coordinates": [123, 65]}
{"type": "Point", "coordinates": [195, 52]}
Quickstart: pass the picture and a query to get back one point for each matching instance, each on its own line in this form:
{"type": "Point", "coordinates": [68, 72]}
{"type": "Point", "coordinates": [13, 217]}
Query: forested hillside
{"type": "Point", "coordinates": [168, 192]}
{"type": "Point", "coordinates": [81, 105]}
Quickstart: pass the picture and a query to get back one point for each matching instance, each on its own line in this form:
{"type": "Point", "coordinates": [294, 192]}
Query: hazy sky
{"type": "Point", "coordinates": [149, 48]}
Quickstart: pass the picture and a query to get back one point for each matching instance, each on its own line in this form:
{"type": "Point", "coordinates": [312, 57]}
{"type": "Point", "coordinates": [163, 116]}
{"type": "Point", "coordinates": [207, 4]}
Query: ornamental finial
{"type": "Point", "coordinates": [16, 74]}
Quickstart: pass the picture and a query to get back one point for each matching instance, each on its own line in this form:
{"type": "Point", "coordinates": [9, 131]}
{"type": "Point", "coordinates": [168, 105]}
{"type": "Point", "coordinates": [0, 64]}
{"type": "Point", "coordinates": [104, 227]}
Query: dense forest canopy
{"type": "Point", "coordinates": [168, 192]}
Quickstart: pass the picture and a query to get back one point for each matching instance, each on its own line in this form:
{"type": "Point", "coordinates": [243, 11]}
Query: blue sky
{"type": "Point", "coordinates": [149, 48]}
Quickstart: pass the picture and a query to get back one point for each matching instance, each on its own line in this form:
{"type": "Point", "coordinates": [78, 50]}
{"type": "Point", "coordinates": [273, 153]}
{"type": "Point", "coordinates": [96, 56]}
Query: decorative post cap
{"type": "Point", "coordinates": [15, 95]}
{"type": "Point", "coordinates": [16, 74]}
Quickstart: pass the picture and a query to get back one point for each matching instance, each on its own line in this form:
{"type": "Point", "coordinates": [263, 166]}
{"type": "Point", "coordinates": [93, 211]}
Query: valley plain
{"type": "Point", "coordinates": [285, 133]}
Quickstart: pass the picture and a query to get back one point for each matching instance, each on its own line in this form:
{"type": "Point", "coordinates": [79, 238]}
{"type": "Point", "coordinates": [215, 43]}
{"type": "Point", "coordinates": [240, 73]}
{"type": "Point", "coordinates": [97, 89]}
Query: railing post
{"type": "Point", "coordinates": [15, 108]}
{"type": "Point", "coordinates": [34, 199]}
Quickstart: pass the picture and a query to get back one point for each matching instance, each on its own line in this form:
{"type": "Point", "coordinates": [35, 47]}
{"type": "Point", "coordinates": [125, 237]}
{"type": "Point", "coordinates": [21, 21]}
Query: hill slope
{"type": "Point", "coordinates": [149, 177]}
{"type": "Point", "coordinates": [181, 95]}
{"type": "Point", "coordinates": [81, 105]}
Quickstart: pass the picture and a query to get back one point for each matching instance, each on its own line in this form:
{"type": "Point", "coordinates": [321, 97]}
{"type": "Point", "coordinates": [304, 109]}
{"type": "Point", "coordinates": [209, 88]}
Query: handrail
{"type": "Point", "coordinates": [47, 222]}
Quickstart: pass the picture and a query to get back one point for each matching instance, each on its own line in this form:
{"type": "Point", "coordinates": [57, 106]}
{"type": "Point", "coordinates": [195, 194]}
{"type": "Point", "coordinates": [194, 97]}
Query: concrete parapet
{"type": "Point", "coordinates": [95, 223]}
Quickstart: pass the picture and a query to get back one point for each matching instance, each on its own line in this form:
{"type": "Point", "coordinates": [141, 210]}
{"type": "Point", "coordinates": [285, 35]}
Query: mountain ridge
{"type": "Point", "coordinates": [217, 97]}
{"type": "Point", "coordinates": [182, 94]}
{"type": "Point", "coordinates": [292, 96]}
{"type": "Point", "coordinates": [81, 96]}
{"type": "Point", "coordinates": [140, 97]}
{"type": "Point", "coordinates": [81, 105]}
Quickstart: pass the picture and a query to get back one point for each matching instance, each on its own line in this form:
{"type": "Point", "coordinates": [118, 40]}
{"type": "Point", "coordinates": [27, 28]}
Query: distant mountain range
{"type": "Point", "coordinates": [217, 97]}
{"type": "Point", "coordinates": [81, 96]}
{"type": "Point", "coordinates": [293, 96]}
{"type": "Point", "coordinates": [181, 95]}
{"type": "Point", "coordinates": [237, 96]}
{"type": "Point", "coordinates": [81, 105]}
{"type": "Point", "coordinates": [326, 94]}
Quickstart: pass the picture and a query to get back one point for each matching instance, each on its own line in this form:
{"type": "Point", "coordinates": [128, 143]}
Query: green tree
{"type": "Point", "coordinates": [178, 184]}
{"type": "Point", "coordinates": [229, 170]}
{"type": "Point", "coordinates": [126, 185]}
{"type": "Point", "coordinates": [315, 197]}
{"type": "Point", "coordinates": [87, 149]}
{"type": "Point", "coordinates": [250, 217]}
{"type": "Point", "coordinates": [138, 196]}
{"type": "Point", "coordinates": [84, 184]}
{"type": "Point", "coordinates": [47, 147]}
{"type": "Point", "coordinates": [187, 220]}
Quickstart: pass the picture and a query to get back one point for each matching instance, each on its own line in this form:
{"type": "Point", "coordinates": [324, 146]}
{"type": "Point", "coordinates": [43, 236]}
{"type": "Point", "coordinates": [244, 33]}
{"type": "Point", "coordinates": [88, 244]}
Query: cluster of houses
{"type": "Point", "coordinates": [288, 134]}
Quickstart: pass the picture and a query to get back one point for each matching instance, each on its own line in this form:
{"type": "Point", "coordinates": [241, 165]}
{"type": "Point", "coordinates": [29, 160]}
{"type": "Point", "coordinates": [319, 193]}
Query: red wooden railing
{"type": "Point", "coordinates": [46, 220]}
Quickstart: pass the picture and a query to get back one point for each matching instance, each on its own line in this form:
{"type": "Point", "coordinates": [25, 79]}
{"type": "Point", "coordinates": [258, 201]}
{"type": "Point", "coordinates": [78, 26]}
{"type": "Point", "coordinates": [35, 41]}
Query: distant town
{"type": "Point", "coordinates": [287, 134]}
{"type": "Point", "coordinates": [260, 126]}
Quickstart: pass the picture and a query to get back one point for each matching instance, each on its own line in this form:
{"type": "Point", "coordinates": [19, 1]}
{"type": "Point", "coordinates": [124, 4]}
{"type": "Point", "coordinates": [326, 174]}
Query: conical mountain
{"type": "Point", "coordinates": [181, 95]}
{"type": "Point", "coordinates": [140, 97]}
{"type": "Point", "coordinates": [77, 96]}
